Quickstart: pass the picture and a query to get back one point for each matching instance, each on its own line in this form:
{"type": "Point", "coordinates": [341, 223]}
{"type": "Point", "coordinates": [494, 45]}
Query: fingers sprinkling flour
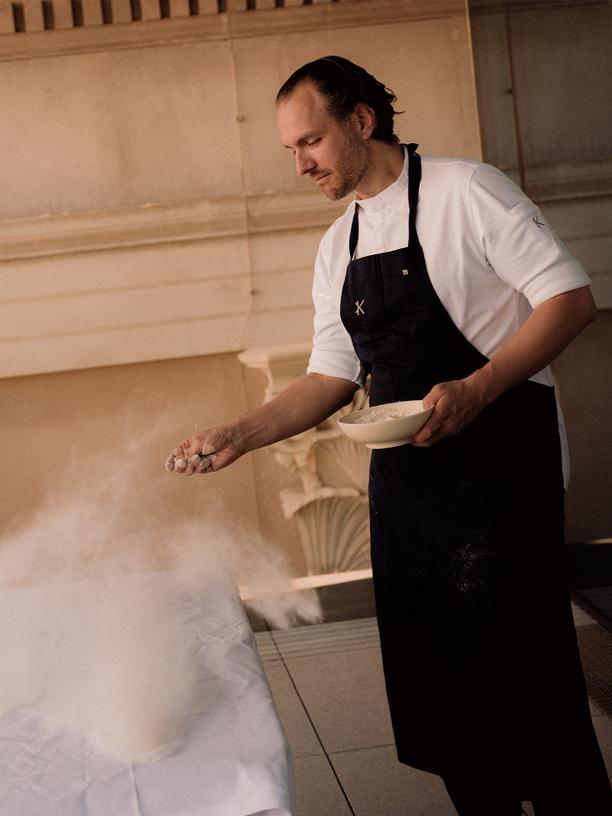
{"type": "Point", "coordinates": [205, 463]}
{"type": "Point", "coordinates": [170, 461]}
{"type": "Point", "coordinates": [198, 463]}
{"type": "Point", "coordinates": [192, 464]}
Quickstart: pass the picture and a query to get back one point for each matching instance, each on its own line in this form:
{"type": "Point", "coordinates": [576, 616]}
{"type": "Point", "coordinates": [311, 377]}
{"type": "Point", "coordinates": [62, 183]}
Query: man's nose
{"type": "Point", "coordinates": [303, 164]}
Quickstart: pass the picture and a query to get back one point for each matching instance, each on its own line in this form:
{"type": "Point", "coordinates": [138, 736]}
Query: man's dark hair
{"type": "Point", "coordinates": [343, 85]}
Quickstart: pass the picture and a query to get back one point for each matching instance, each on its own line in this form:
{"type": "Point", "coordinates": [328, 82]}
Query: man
{"type": "Point", "coordinates": [442, 281]}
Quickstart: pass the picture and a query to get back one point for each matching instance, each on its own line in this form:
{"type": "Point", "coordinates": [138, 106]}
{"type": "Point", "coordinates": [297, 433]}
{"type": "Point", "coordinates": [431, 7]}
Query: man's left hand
{"type": "Point", "coordinates": [455, 404]}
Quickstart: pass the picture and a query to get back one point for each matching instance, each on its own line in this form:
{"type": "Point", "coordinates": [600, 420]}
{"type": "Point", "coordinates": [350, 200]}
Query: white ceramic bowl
{"type": "Point", "coordinates": [370, 426]}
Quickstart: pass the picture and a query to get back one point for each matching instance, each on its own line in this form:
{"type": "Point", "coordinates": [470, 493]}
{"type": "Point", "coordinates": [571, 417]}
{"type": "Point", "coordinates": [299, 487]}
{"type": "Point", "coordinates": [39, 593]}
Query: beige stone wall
{"type": "Point", "coordinates": [149, 210]}
{"type": "Point", "coordinates": [59, 431]}
{"type": "Point", "coordinates": [584, 374]}
{"type": "Point", "coordinates": [546, 120]}
{"type": "Point", "coordinates": [151, 225]}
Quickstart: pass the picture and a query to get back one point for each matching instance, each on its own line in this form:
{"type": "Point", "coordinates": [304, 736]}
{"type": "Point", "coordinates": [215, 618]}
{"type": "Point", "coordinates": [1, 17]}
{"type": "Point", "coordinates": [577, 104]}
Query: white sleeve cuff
{"type": "Point", "coordinates": [336, 364]}
{"type": "Point", "coordinates": [567, 274]}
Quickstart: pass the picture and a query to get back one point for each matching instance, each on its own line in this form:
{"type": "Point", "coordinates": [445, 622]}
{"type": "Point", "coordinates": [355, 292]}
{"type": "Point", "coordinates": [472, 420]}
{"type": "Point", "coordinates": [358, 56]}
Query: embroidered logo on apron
{"type": "Point", "coordinates": [359, 305]}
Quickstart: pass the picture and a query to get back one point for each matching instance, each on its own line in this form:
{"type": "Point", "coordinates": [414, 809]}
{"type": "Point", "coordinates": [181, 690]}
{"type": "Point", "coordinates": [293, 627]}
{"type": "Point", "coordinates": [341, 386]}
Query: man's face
{"type": "Point", "coordinates": [332, 153]}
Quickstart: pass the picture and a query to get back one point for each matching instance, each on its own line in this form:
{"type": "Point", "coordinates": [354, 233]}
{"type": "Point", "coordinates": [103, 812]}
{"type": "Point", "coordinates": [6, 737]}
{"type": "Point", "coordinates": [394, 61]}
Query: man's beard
{"type": "Point", "coordinates": [351, 168]}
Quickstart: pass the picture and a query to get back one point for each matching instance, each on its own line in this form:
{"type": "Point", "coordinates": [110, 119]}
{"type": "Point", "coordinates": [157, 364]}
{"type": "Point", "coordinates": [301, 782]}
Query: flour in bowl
{"type": "Point", "coordinates": [384, 414]}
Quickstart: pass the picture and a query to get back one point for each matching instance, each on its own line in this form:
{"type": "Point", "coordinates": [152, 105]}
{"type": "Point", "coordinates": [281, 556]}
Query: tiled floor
{"type": "Point", "coordinates": [328, 686]}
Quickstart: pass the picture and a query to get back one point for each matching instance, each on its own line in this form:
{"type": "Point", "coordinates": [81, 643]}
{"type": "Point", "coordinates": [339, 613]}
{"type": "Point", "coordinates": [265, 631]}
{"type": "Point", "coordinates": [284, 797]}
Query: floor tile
{"type": "Point", "coordinates": [266, 647]}
{"type": "Point", "coordinates": [377, 784]}
{"type": "Point", "coordinates": [339, 636]}
{"type": "Point", "coordinates": [298, 729]}
{"type": "Point", "coordinates": [258, 624]}
{"type": "Point", "coordinates": [595, 644]}
{"type": "Point", "coordinates": [345, 697]}
{"type": "Point", "coordinates": [603, 729]}
{"type": "Point", "coordinates": [347, 601]}
{"type": "Point", "coordinates": [317, 789]}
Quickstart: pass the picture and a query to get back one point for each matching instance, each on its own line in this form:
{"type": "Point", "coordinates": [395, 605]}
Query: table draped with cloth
{"type": "Point", "coordinates": [230, 759]}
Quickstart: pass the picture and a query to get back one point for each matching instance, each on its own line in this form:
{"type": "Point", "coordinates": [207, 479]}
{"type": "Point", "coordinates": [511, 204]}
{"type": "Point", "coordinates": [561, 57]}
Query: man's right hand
{"type": "Point", "coordinates": [302, 405]}
{"type": "Point", "coordinates": [205, 452]}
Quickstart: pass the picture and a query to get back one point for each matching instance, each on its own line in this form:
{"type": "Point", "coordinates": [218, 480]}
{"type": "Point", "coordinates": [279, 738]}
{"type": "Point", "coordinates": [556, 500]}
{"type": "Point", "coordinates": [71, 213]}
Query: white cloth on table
{"type": "Point", "coordinates": [233, 758]}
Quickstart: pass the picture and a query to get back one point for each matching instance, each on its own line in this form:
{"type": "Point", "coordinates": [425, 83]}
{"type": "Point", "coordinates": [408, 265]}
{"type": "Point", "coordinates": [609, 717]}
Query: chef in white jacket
{"type": "Point", "coordinates": [442, 281]}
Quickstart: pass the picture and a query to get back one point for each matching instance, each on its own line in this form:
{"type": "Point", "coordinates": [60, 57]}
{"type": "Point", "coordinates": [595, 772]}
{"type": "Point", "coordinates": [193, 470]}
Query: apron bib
{"type": "Point", "coordinates": [477, 637]}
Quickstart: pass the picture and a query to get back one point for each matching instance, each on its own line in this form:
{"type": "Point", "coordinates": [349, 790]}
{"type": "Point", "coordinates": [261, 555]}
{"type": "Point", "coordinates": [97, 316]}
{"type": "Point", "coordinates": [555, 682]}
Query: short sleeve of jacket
{"type": "Point", "coordinates": [333, 353]}
{"type": "Point", "coordinates": [518, 242]}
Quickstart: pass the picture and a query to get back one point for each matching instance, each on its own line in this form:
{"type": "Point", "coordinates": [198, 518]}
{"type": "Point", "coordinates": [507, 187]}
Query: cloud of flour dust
{"type": "Point", "coordinates": [92, 638]}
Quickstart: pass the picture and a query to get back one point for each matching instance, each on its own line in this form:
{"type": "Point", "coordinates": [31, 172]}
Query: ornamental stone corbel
{"type": "Point", "coordinates": [329, 502]}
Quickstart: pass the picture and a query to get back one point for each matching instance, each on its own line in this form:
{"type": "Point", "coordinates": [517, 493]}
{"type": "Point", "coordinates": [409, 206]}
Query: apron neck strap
{"type": "Point", "coordinates": [414, 180]}
{"type": "Point", "coordinates": [354, 236]}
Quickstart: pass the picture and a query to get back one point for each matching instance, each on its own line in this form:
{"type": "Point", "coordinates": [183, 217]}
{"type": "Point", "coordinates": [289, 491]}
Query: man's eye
{"type": "Point", "coordinates": [313, 142]}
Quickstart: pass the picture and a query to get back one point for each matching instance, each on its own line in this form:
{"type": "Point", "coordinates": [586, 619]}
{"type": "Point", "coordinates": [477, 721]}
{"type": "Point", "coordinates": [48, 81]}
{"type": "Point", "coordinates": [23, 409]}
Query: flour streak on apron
{"type": "Point", "coordinates": [479, 650]}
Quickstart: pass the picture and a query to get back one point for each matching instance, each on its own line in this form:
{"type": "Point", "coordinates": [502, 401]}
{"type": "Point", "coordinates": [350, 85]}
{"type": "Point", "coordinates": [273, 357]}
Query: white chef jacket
{"type": "Point", "coordinates": [491, 257]}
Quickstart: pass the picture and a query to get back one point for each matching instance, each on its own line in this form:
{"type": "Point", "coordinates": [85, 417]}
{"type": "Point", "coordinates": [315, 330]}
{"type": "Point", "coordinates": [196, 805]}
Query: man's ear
{"type": "Point", "coordinates": [365, 120]}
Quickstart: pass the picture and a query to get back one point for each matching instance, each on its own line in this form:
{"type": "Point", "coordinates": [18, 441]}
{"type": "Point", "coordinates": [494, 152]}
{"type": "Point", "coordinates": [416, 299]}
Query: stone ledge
{"type": "Point", "coordinates": [499, 6]}
{"type": "Point", "coordinates": [234, 24]}
{"type": "Point", "coordinates": [567, 180]}
{"type": "Point", "coordinates": [237, 215]}
{"type": "Point", "coordinates": [65, 233]}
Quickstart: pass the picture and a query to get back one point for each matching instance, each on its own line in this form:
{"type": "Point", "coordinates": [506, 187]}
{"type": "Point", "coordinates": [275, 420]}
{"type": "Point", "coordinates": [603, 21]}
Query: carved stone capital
{"type": "Point", "coordinates": [330, 502]}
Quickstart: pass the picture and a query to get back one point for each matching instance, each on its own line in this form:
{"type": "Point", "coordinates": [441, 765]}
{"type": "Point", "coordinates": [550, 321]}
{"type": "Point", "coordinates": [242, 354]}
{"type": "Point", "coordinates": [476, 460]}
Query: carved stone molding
{"type": "Point", "coordinates": [222, 216]}
{"type": "Point", "coordinates": [497, 6]}
{"type": "Point", "coordinates": [330, 502]}
{"type": "Point", "coordinates": [237, 215]}
{"type": "Point", "coordinates": [335, 533]}
{"type": "Point", "coordinates": [237, 23]}
{"type": "Point", "coordinates": [565, 181]}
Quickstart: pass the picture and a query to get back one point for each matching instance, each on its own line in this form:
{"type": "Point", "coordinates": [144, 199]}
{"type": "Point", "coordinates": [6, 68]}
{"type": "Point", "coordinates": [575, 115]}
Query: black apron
{"type": "Point", "coordinates": [478, 643]}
